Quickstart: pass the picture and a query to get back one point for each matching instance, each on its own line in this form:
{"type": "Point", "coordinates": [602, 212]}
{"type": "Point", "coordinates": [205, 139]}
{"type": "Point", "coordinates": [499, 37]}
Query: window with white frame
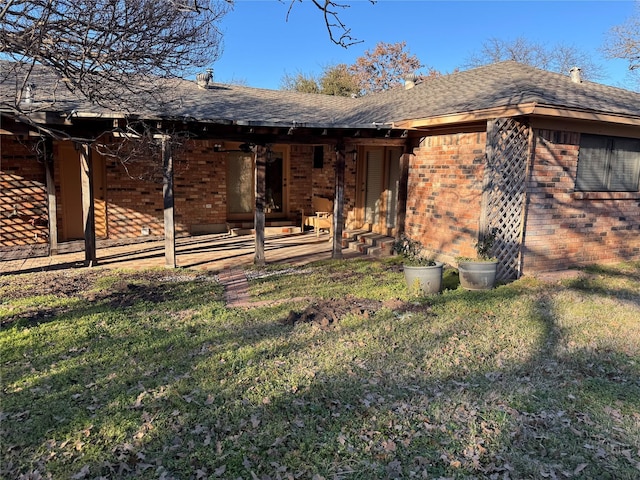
{"type": "Point", "coordinates": [608, 164]}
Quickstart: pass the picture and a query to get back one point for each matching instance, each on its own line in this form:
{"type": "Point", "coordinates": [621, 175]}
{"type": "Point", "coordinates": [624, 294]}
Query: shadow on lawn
{"type": "Point", "coordinates": [205, 400]}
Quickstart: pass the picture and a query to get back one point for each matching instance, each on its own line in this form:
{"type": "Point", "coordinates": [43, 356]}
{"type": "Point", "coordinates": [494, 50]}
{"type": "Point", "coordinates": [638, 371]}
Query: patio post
{"type": "Point", "coordinates": [88, 206]}
{"type": "Point", "coordinates": [168, 201]}
{"type": "Point", "coordinates": [401, 206]}
{"type": "Point", "coordinates": [52, 208]}
{"type": "Point", "coordinates": [338, 203]}
{"type": "Point", "coordinates": [260, 195]}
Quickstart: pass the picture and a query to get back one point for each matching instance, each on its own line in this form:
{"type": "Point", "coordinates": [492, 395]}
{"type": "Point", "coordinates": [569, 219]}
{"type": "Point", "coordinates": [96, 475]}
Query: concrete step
{"type": "Point", "coordinates": [368, 243]}
{"type": "Point", "coordinates": [285, 229]}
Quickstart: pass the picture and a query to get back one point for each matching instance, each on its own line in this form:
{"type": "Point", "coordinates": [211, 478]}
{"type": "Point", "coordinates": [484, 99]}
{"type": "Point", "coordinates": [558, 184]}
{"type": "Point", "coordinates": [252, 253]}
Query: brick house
{"type": "Point", "coordinates": [550, 163]}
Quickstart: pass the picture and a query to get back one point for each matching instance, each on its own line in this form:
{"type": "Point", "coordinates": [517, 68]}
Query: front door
{"type": "Point", "coordinates": [382, 177]}
{"type": "Point", "coordinates": [241, 188]}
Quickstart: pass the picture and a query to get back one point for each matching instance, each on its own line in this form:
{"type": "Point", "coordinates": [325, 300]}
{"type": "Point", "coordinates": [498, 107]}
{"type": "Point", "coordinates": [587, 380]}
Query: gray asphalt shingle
{"type": "Point", "coordinates": [498, 85]}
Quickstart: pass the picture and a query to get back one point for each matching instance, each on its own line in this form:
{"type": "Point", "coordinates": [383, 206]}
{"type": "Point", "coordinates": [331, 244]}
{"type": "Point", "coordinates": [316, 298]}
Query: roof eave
{"type": "Point", "coordinates": [58, 116]}
{"type": "Point", "coordinates": [525, 109]}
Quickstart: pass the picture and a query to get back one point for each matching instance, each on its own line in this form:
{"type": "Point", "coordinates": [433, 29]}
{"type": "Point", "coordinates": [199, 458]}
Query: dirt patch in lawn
{"type": "Point", "coordinates": [126, 289]}
{"type": "Point", "coordinates": [57, 284]}
{"type": "Point", "coordinates": [327, 313]}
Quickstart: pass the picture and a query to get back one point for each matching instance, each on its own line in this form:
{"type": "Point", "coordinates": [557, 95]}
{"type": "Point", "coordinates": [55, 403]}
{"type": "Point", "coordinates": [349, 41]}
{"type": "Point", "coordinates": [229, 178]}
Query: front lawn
{"type": "Point", "coordinates": [338, 374]}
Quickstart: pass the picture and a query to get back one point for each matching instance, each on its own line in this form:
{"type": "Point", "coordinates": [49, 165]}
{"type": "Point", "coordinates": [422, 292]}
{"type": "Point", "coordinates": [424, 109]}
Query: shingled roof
{"type": "Point", "coordinates": [506, 85]}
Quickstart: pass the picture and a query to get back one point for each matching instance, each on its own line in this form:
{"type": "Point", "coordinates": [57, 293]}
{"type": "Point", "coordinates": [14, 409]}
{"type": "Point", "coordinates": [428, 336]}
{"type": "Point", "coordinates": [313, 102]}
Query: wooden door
{"type": "Point", "coordinates": [373, 196]}
{"type": "Point", "coordinates": [71, 194]}
{"type": "Point", "coordinates": [382, 179]}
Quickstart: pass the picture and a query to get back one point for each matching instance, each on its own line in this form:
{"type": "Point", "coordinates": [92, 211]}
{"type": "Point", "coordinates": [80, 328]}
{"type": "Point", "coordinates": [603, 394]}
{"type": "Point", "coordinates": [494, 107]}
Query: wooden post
{"type": "Point", "coordinates": [167, 195]}
{"type": "Point", "coordinates": [88, 210]}
{"type": "Point", "coordinates": [52, 207]}
{"type": "Point", "coordinates": [493, 130]}
{"type": "Point", "coordinates": [338, 202]}
{"type": "Point", "coordinates": [403, 189]}
{"type": "Point", "coordinates": [260, 194]}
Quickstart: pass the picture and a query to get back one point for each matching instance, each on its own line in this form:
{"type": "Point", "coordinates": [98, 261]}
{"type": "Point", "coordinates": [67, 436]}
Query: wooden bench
{"type": "Point", "coordinates": [321, 216]}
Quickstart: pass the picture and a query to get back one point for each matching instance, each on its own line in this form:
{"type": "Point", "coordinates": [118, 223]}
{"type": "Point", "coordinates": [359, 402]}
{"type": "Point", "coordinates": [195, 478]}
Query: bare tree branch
{"type": "Point", "coordinates": [338, 32]}
{"type": "Point", "coordinates": [559, 58]}
{"type": "Point", "coordinates": [624, 40]}
{"type": "Point", "coordinates": [105, 48]}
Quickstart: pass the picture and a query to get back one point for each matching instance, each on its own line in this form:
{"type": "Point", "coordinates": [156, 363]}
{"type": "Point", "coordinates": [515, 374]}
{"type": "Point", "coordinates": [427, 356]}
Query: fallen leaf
{"type": "Point", "coordinates": [389, 446]}
{"type": "Point", "coordinates": [84, 471]}
{"type": "Point", "coordinates": [138, 402]}
{"type": "Point", "coordinates": [580, 468]}
{"type": "Point", "coordinates": [201, 473]}
{"type": "Point", "coordinates": [255, 421]}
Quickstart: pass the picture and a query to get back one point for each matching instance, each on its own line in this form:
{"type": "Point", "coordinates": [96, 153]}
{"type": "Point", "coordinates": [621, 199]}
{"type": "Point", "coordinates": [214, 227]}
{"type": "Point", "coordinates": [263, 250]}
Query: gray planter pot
{"type": "Point", "coordinates": [424, 279]}
{"type": "Point", "coordinates": [478, 275]}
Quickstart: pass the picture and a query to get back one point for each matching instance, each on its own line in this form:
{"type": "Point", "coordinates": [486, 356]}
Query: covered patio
{"type": "Point", "coordinates": [215, 252]}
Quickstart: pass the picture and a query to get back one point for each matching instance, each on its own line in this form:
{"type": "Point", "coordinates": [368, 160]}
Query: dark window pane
{"type": "Point", "coordinates": [625, 165]}
{"type": "Point", "coordinates": [593, 160]}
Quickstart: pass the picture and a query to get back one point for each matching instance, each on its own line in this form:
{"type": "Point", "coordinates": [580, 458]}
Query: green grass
{"type": "Point", "coordinates": [114, 374]}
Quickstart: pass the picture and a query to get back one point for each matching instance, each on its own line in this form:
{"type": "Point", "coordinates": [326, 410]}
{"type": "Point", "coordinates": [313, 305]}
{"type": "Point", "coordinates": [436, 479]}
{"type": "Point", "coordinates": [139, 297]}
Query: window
{"type": "Point", "coordinates": [318, 156]}
{"type": "Point", "coordinates": [608, 164]}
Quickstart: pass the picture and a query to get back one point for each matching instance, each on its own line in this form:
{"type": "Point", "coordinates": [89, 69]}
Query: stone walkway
{"type": "Point", "coordinates": [236, 291]}
{"type": "Point", "coordinates": [236, 288]}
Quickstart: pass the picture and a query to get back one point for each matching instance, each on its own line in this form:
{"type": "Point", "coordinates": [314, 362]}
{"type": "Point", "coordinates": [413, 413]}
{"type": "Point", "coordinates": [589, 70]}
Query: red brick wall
{"type": "Point", "coordinates": [301, 179]}
{"type": "Point", "coordinates": [134, 198]}
{"type": "Point", "coordinates": [320, 181]}
{"type": "Point", "coordinates": [23, 194]}
{"type": "Point", "coordinates": [200, 187]}
{"type": "Point", "coordinates": [445, 193]}
{"type": "Point", "coordinates": [566, 228]}
{"type": "Point", "coordinates": [134, 194]}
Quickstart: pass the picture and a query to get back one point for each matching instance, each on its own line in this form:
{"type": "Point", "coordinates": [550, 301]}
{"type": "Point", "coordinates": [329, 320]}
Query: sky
{"type": "Point", "coordinates": [260, 45]}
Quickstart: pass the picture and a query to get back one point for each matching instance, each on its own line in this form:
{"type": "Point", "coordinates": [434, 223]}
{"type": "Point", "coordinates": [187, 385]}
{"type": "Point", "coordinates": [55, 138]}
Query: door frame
{"type": "Point", "coordinates": [385, 225]}
{"type": "Point", "coordinates": [280, 149]}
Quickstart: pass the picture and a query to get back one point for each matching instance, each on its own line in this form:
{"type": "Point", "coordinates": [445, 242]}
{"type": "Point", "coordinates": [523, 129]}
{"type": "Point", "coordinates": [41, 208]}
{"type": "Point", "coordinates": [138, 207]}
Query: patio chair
{"type": "Point", "coordinates": [321, 216]}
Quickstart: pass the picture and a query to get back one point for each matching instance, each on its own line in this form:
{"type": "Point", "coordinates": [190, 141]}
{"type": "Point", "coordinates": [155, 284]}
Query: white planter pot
{"type": "Point", "coordinates": [478, 275]}
{"type": "Point", "coordinates": [426, 280]}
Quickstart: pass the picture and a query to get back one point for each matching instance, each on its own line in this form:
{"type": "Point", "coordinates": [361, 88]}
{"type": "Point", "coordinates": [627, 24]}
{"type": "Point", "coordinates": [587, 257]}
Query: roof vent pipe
{"type": "Point", "coordinates": [29, 93]}
{"type": "Point", "coordinates": [204, 80]}
{"type": "Point", "coordinates": [575, 75]}
{"type": "Point", "coordinates": [410, 81]}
